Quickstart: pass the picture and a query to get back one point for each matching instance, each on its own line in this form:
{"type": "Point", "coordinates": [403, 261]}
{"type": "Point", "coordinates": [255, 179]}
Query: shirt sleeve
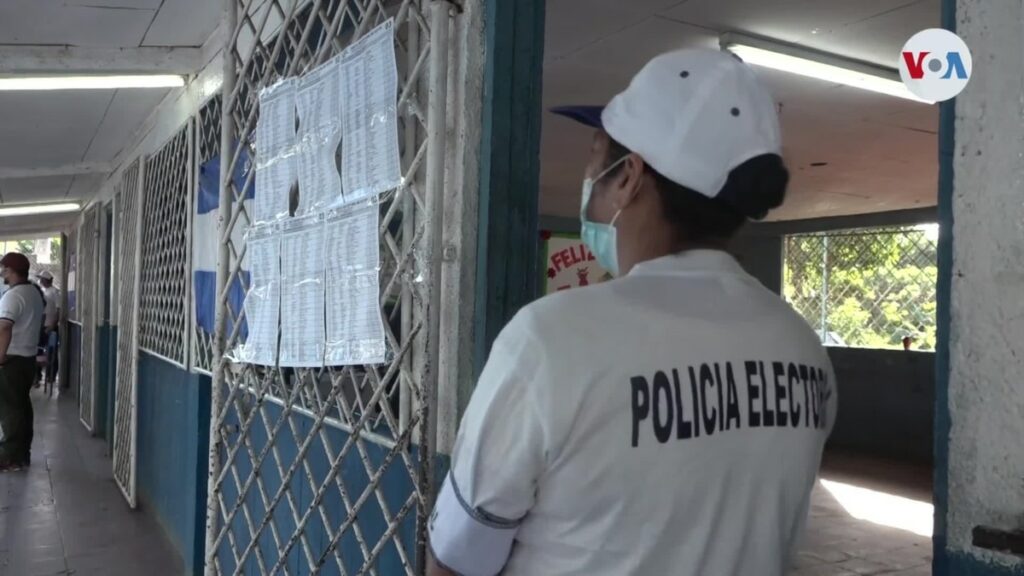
{"type": "Point", "coordinates": [11, 306]}
{"type": "Point", "coordinates": [500, 453]}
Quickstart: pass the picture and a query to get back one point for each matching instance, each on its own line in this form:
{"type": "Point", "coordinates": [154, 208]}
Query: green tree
{"type": "Point", "coordinates": [55, 250]}
{"type": "Point", "coordinates": [873, 287]}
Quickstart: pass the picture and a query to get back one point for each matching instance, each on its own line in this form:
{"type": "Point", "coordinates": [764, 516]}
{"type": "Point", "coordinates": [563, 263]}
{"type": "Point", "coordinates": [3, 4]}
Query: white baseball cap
{"type": "Point", "coordinates": [692, 115]}
{"type": "Point", "coordinates": [45, 275]}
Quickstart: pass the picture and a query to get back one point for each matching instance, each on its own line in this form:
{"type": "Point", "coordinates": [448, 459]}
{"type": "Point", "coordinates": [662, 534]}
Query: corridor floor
{"type": "Point", "coordinates": [66, 516]}
{"type": "Point", "coordinates": [854, 509]}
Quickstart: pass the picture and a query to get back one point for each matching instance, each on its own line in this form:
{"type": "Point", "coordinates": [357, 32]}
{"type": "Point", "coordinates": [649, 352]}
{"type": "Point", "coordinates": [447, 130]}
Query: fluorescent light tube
{"type": "Point", "coordinates": [812, 64]}
{"type": "Point", "coordinates": [32, 209]}
{"type": "Point", "coordinates": [91, 82]}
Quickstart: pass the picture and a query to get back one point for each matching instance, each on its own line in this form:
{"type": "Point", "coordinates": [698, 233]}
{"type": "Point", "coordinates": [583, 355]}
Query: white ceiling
{"type": "Point", "coordinates": [55, 129]}
{"type": "Point", "coordinates": [881, 151]}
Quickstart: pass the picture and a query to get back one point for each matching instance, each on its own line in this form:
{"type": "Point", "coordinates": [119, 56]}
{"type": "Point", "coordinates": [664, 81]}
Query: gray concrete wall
{"type": "Point", "coordinates": [761, 256]}
{"type": "Point", "coordinates": [985, 404]}
{"type": "Point", "coordinates": [886, 401]}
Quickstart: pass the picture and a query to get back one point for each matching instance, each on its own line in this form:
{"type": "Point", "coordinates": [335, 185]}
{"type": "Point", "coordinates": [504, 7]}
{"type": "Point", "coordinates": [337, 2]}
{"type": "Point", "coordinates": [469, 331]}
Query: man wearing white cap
{"type": "Point", "coordinates": [51, 316]}
{"type": "Point", "coordinates": [670, 421]}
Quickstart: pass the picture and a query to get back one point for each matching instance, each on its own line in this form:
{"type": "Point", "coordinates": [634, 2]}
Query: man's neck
{"type": "Point", "coordinates": [654, 247]}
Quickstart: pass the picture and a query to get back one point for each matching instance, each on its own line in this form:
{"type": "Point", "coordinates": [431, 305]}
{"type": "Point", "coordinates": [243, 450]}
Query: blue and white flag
{"type": "Point", "coordinates": [206, 244]}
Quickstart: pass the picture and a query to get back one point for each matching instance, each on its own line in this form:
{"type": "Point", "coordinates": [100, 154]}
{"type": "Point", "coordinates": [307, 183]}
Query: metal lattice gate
{"type": "Point", "coordinates": [128, 202]}
{"type": "Point", "coordinates": [163, 276]}
{"type": "Point", "coordinates": [330, 470]}
{"type": "Point", "coordinates": [88, 280]}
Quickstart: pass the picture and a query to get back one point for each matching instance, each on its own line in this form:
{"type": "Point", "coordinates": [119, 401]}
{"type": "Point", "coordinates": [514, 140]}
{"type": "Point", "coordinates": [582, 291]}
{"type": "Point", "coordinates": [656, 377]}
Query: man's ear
{"type": "Point", "coordinates": [632, 175]}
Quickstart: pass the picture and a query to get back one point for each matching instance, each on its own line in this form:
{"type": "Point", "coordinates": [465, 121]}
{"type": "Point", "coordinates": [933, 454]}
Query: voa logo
{"type": "Point", "coordinates": [935, 64]}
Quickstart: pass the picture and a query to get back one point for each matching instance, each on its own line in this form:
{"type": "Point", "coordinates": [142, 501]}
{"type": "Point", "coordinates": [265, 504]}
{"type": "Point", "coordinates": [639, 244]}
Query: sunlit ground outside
{"type": "Point", "coordinates": [882, 508]}
{"type": "Point", "coordinates": [867, 516]}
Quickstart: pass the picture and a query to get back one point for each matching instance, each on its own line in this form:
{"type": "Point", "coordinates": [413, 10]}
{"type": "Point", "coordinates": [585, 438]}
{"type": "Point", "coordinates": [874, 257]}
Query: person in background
{"type": "Point", "coordinates": [51, 296]}
{"type": "Point", "coordinates": [21, 320]}
{"type": "Point", "coordinates": [670, 421]}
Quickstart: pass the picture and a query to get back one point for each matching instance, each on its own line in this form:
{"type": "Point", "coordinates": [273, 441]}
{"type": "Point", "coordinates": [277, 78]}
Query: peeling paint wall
{"type": "Point", "coordinates": [986, 356]}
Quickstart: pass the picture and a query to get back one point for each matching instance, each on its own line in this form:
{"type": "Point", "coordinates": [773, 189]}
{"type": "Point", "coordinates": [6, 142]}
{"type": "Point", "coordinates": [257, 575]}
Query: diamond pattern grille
{"type": "Point", "coordinates": [324, 470]}
{"type": "Point", "coordinates": [164, 272]}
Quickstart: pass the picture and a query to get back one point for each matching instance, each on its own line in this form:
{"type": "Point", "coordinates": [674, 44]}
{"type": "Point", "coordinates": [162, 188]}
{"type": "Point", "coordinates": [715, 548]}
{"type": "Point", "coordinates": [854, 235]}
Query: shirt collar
{"type": "Point", "coordinates": [697, 260]}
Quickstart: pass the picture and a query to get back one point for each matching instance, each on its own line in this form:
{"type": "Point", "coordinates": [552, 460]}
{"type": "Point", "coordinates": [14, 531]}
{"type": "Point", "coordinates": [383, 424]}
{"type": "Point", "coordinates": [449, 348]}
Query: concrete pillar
{"type": "Point", "coordinates": [980, 392]}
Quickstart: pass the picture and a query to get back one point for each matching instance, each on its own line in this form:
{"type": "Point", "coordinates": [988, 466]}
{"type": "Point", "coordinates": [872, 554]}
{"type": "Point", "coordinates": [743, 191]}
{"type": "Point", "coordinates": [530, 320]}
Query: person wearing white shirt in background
{"type": "Point", "coordinates": [51, 295]}
{"type": "Point", "coordinates": [671, 420]}
{"type": "Point", "coordinates": [21, 320]}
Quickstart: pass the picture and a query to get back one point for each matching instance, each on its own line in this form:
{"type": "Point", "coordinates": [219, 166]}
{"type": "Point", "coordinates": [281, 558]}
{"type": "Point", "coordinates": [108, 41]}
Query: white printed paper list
{"type": "Point", "coordinates": [355, 330]}
{"type": "Point", "coordinates": [275, 151]}
{"type": "Point", "coordinates": [302, 295]}
{"type": "Point", "coordinates": [262, 302]}
{"type": "Point", "coordinates": [319, 108]}
{"type": "Point", "coordinates": [370, 158]}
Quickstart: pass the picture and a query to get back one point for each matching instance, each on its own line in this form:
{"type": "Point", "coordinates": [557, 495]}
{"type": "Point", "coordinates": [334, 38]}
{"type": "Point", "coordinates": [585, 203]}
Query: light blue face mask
{"type": "Point", "coordinates": [600, 238]}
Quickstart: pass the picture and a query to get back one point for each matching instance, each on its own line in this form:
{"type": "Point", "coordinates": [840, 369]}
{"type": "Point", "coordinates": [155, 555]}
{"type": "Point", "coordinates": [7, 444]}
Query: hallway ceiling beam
{"type": "Point", "coordinates": [10, 173]}
{"type": "Point", "coordinates": [16, 59]}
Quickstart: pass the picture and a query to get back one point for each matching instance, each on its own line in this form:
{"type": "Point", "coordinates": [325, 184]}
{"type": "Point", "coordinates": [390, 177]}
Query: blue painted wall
{"type": "Point", "coordinates": [509, 169]}
{"type": "Point", "coordinates": [960, 564]}
{"type": "Point", "coordinates": [173, 434]}
{"type": "Point", "coordinates": [104, 385]}
{"type": "Point", "coordinates": [396, 486]}
{"type": "Point", "coordinates": [74, 356]}
{"type": "Point", "coordinates": [111, 363]}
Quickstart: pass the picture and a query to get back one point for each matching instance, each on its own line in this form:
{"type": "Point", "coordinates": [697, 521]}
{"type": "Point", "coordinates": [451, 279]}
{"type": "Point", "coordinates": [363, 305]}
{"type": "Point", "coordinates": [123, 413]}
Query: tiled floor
{"type": "Point", "coordinates": [837, 544]}
{"type": "Point", "coordinates": [66, 516]}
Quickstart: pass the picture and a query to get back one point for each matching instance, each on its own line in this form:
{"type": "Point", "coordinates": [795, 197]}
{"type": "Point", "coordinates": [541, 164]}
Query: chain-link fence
{"type": "Point", "coordinates": [164, 274]}
{"type": "Point", "coordinates": [330, 470]}
{"type": "Point", "coordinates": [128, 201]}
{"type": "Point", "coordinates": [871, 287]}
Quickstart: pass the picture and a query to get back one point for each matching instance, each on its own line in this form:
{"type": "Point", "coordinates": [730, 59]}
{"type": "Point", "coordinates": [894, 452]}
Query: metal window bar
{"type": "Point", "coordinates": [129, 223]}
{"type": "Point", "coordinates": [299, 457]}
{"type": "Point", "coordinates": [88, 280]}
{"type": "Point", "coordinates": [164, 274]}
{"type": "Point", "coordinates": [869, 287]}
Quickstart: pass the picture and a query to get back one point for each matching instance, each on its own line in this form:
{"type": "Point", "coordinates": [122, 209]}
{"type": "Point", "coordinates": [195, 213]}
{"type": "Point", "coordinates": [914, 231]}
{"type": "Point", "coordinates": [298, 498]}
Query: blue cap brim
{"type": "Point", "coordinates": [588, 115]}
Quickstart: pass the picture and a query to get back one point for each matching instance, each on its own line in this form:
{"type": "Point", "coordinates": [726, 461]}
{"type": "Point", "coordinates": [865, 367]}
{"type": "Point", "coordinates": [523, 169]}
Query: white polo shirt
{"type": "Point", "coordinates": [52, 309]}
{"type": "Point", "coordinates": [667, 422]}
{"type": "Point", "coordinates": [23, 305]}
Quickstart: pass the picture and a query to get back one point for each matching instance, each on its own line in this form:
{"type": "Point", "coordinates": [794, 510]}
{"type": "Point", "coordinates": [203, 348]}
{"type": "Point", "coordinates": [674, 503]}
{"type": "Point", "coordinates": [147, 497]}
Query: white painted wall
{"type": "Point", "coordinates": [986, 386]}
